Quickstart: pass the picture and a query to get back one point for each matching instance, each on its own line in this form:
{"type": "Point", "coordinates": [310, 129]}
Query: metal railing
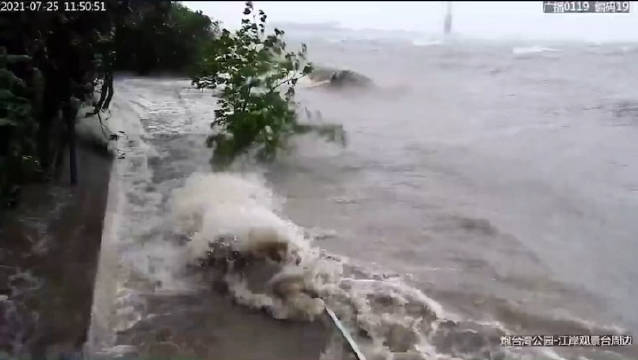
{"type": "Point", "coordinates": [351, 344]}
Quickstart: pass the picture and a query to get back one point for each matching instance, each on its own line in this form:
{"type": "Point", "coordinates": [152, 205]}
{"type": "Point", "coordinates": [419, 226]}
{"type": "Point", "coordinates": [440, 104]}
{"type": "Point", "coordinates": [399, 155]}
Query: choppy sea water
{"type": "Point", "coordinates": [486, 189]}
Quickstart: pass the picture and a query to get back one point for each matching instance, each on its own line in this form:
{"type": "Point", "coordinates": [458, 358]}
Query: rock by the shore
{"type": "Point", "coordinates": [340, 78]}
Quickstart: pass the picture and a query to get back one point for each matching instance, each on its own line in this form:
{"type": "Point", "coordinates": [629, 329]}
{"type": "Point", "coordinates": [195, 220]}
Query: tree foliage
{"type": "Point", "coordinates": [256, 76]}
{"type": "Point", "coordinates": [161, 36]}
{"type": "Point", "coordinates": [18, 150]}
{"type": "Point", "coordinates": [50, 62]}
{"type": "Point", "coordinates": [48, 66]}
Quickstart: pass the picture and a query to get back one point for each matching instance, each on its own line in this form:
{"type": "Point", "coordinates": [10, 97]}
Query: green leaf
{"type": "Point", "coordinates": [256, 106]}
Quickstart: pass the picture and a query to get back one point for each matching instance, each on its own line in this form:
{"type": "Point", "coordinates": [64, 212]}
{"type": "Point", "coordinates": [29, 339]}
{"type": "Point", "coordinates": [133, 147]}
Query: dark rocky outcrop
{"type": "Point", "coordinates": [340, 79]}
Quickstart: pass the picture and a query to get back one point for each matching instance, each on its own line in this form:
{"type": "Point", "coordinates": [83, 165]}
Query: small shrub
{"type": "Point", "coordinates": [256, 77]}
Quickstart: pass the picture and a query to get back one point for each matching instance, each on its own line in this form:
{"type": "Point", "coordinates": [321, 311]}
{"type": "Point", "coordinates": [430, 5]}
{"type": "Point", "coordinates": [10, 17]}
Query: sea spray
{"type": "Point", "coordinates": [240, 212]}
{"type": "Point", "coordinates": [266, 262]}
{"type": "Point", "coordinates": [157, 232]}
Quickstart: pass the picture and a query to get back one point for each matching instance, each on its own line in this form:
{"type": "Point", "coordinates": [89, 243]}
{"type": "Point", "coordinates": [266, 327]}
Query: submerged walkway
{"type": "Point", "coordinates": [135, 314]}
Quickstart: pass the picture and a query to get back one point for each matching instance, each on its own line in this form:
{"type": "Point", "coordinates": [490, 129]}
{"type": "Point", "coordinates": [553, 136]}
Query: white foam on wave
{"type": "Point", "coordinates": [425, 43]}
{"type": "Point", "coordinates": [387, 317]}
{"type": "Point", "coordinates": [526, 50]}
{"type": "Point", "coordinates": [127, 266]}
{"type": "Point", "coordinates": [210, 206]}
{"type": "Point", "coordinates": [308, 83]}
{"type": "Point", "coordinates": [395, 316]}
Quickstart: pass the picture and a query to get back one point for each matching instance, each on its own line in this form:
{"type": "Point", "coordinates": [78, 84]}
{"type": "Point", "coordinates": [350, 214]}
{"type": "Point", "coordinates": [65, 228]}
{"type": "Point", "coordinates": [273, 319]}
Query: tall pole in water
{"type": "Point", "coordinates": [447, 25]}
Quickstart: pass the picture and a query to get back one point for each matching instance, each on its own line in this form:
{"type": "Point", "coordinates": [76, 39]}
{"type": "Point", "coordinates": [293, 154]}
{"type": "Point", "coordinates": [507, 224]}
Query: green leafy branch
{"type": "Point", "coordinates": [256, 76]}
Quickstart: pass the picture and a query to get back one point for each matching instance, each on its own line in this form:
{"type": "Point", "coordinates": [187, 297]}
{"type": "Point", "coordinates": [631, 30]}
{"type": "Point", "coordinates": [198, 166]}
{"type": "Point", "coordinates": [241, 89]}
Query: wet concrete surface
{"type": "Point", "coordinates": [49, 248]}
{"type": "Point", "coordinates": [206, 325]}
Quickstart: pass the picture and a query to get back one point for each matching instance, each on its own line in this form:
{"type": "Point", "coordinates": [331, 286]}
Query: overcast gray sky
{"type": "Point", "coordinates": [478, 19]}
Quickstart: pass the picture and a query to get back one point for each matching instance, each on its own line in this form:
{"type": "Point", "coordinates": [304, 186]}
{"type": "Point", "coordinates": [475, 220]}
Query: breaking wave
{"type": "Point", "coordinates": [232, 229]}
{"type": "Point", "coordinates": [237, 233]}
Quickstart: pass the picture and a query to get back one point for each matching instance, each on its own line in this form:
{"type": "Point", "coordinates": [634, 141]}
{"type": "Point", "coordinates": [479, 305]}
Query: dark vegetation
{"type": "Point", "coordinates": [52, 62]}
{"type": "Point", "coordinates": [162, 37]}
